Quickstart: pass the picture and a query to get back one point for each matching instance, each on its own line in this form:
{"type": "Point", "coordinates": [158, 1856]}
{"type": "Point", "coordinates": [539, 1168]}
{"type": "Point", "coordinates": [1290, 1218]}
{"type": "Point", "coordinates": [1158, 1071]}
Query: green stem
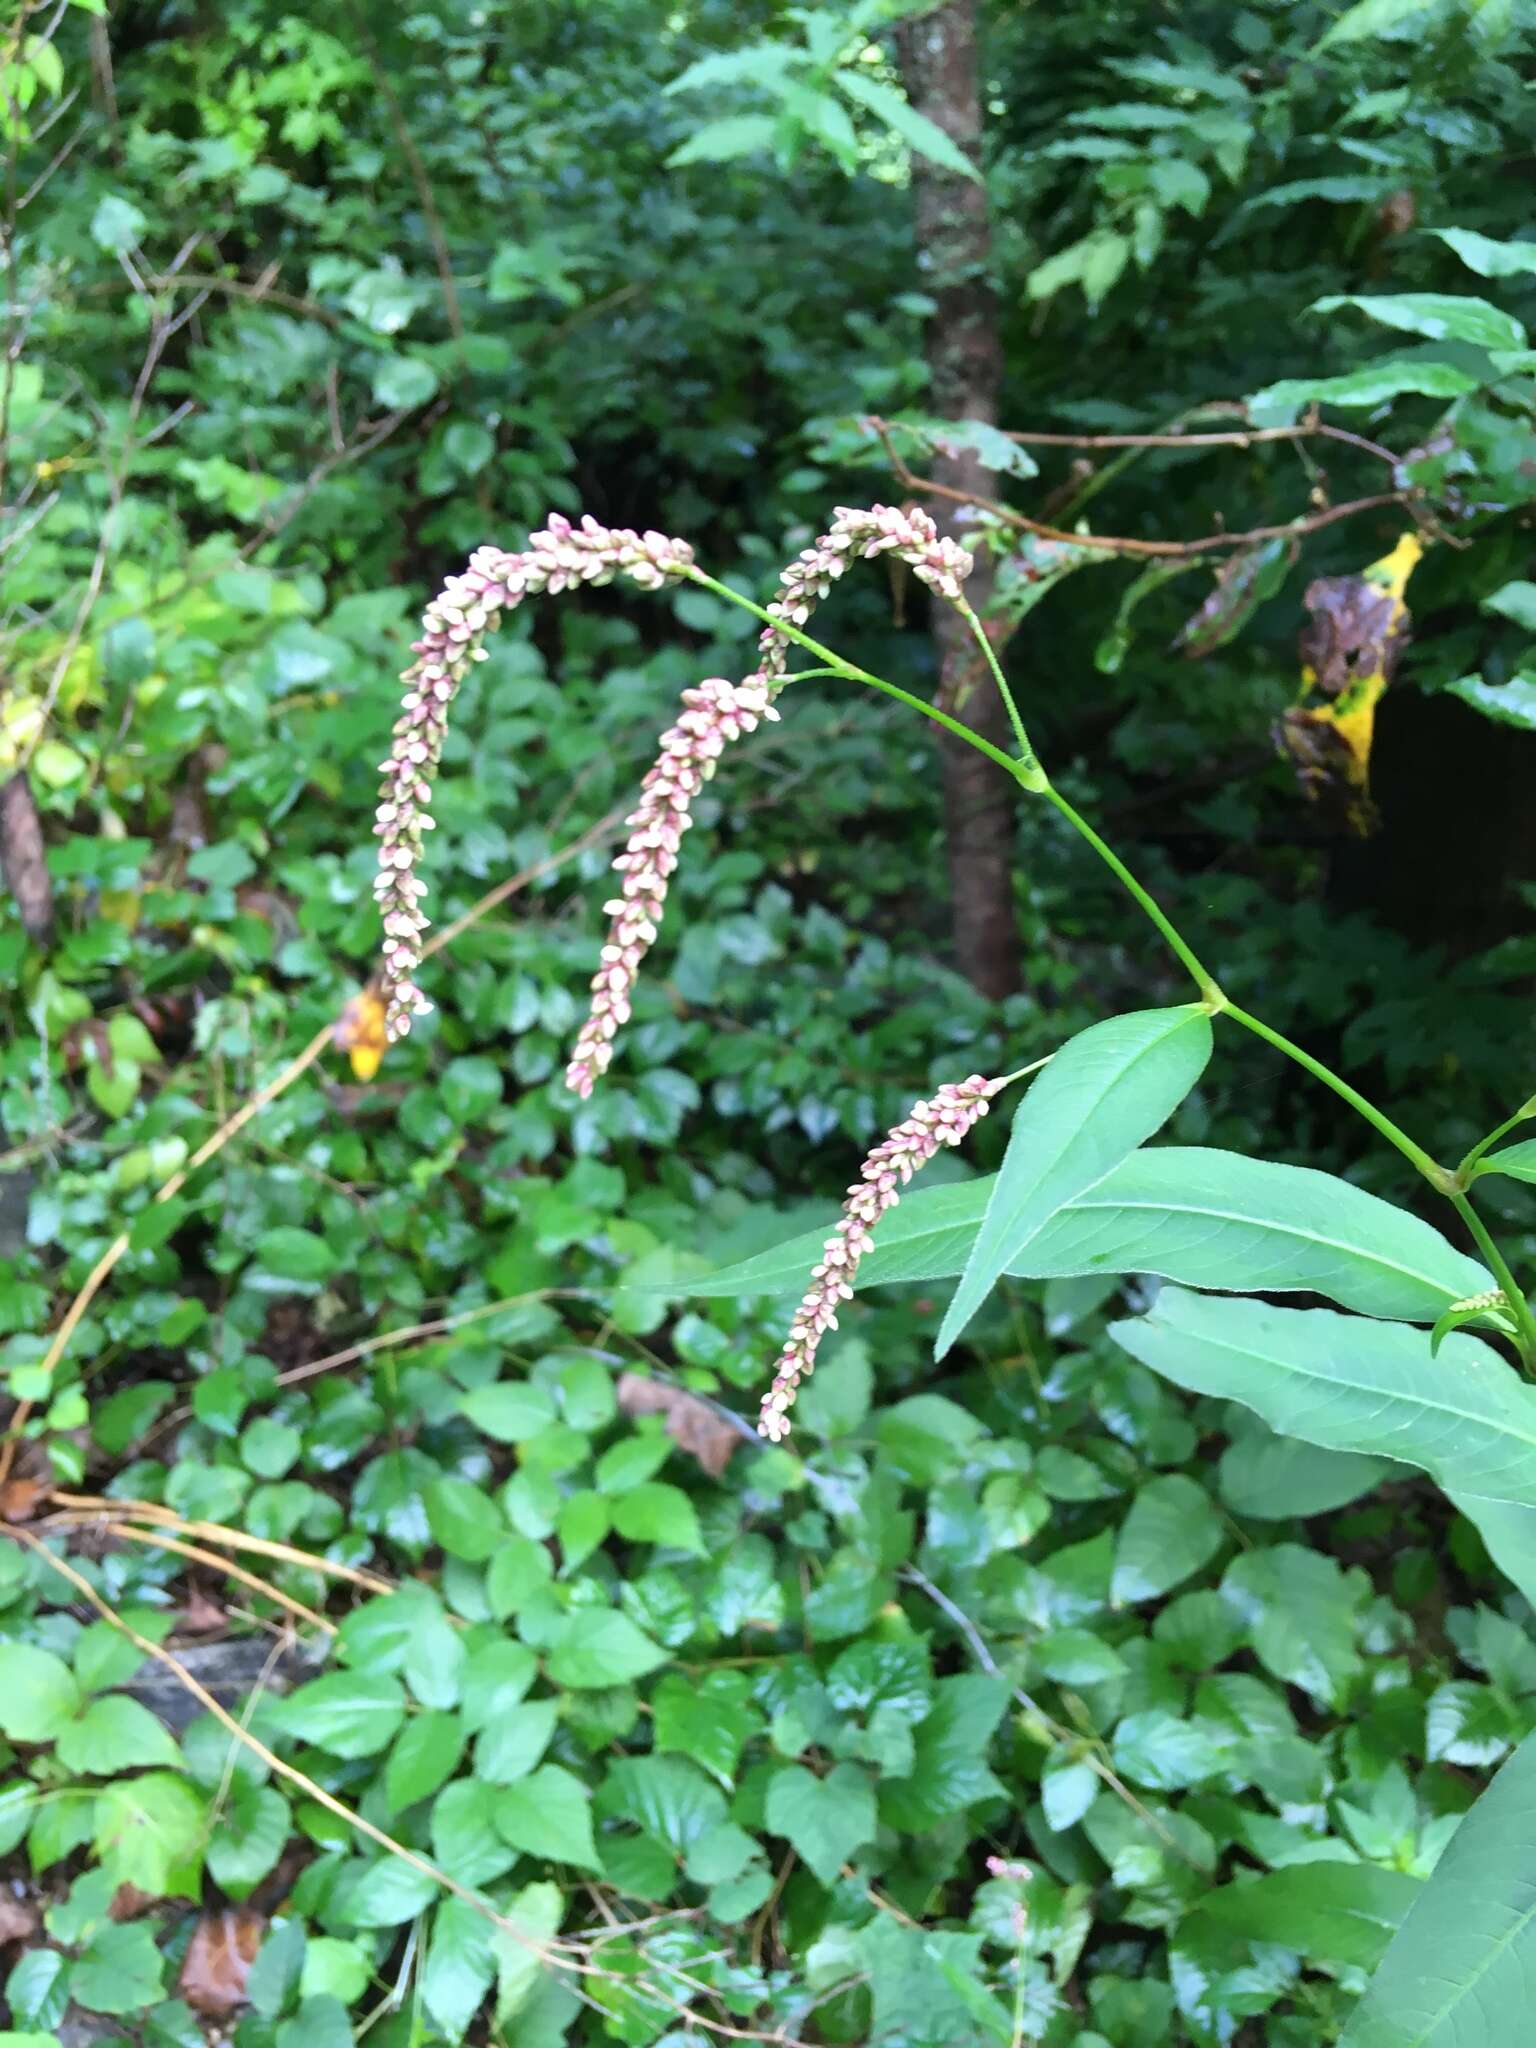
{"type": "Point", "coordinates": [1204, 980]}
{"type": "Point", "coordinates": [1519, 1307]}
{"type": "Point", "coordinates": [854, 674]}
{"type": "Point", "coordinates": [1522, 1115]}
{"type": "Point", "coordinates": [1031, 776]}
{"type": "Point", "coordinates": [1435, 1174]}
{"type": "Point", "coordinates": [979, 633]}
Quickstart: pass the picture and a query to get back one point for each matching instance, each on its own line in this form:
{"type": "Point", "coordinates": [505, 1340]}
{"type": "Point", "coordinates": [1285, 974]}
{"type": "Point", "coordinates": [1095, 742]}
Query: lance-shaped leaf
{"type": "Point", "coordinates": [1459, 1970]}
{"type": "Point", "coordinates": [1352, 1385]}
{"type": "Point", "coordinates": [1186, 1212]}
{"type": "Point", "coordinates": [1102, 1094]}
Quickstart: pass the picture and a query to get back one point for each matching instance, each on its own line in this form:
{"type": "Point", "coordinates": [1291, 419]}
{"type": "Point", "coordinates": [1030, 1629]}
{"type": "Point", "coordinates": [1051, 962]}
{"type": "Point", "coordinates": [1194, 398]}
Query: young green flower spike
{"type": "Point", "coordinates": [946, 1119]}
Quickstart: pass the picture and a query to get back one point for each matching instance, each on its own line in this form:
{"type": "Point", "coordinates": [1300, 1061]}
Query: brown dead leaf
{"type": "Point", "coordinates": [30, 1483]}
{"type": "Point", "coordinates": [129, 1903]}
{"type": "Point", "coordinates": [693, 1423]}
{"type": "Point", "coordinates": [23, 859]}
{"type": "Point", "coordinates": [18, 1921]}
{"type": "Point", "coordinates": [218, 1961]}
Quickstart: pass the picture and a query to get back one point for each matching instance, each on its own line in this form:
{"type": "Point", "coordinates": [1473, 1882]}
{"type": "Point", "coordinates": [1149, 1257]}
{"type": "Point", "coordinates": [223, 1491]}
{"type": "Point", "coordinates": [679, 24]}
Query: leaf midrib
{"type": "Point", "coordinates": [1314, 1378]}
{"type": "Point", "coordinates": [1087, 1201]}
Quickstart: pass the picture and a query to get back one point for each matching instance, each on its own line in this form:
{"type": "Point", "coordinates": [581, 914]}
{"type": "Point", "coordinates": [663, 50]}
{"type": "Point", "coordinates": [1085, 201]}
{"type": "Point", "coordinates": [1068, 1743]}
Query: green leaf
{"type": "Point", "coordinates": [460, 1967]}
{"type": "Point", "coordinates": [709, 1720]}
{"type": "Point", "coordinates": [1351, 1385]}
{"type": "Point", "coordinates": [511, 1411]}
{"type": "Point", "coordinates": [383, 1893]}
{"type": "Point", "coordinates": [1519, 1161]}
{"type": "Point", "coordinates": [920, 134]}
{"type": "Point", "coordinates": [424, 1758]}
{"type": "Point", "coordinates": [463, 1518]}
{"type": "Point", "coordinates": [1439, 316]}
{"type": "Point", "coordinates": [150, 1832]}
{"type": "Point", "coordinates": [1301, 1614]}
{"type": "Point", "coordinates": [1367, 18]}
{"type": "Point", "coordinates": [1458, 1972]}
{"type": "Point", "coordinates": [718, 142]}
{"type": "Point", "coordinates": [1516, 600]}
{"type": "Point", "coordinates": [115, 1733]}
{"type": "Point", "coordinates": [823, 1819]}
{"type": "Point", "coordinates": [508, 1747]}
{"type": "Point", "coordinates": [1331, 1912]}
{"type": "Point", "coordinates": [1101, 1095]}
{"type": "Point", "coordinates": [1076, 1656]}
{"type": "Point", "coordinates": [1170, 1532]}
{"type": "Point", "coordinates": [949, 1769]}
{"type": "Point", "coordinates": [600, 1647]}
{"type": "Point", "coordinates": [1200, 1217]}
{"type": "Point", "coordinates": [294, 1254]}
{"type": "Point", "coordinates": [1512, 703]}
{"type": "Point", "coordinates": [39, 1695]}
{"type": "Point", "coordinates": [248, 1837]}
{"type": "Point", "coordinates": [120, 1970]}
{"type": "Point", "coordinates": [1488, 257]}
{"type": "Point", "coordinates": [1158, 1749]}
{"type": "Point", "coordinates": [1271, 1477]}
{"type": "Point", "coordinates": [117, 224]}
{"type": "Point", "coordinates": [320, 2022]}
{"type": "Point", "coordinates": [464, 1838]}
{"type": "Point", "coordinates": [347, 1713]}
{"type": "Point", "coordinates": [535, 1913]}
{"type": "Point", "coordinates": [654, 1512]}
{"type": "Point", "coordinates": [1371, 385]}
{"type": "Point", "coordinates": [336, 1969]}
{"type": "Point", "coordinates": [836, 1400]}
{"type": "Point", "coordinates": [548, 1813]}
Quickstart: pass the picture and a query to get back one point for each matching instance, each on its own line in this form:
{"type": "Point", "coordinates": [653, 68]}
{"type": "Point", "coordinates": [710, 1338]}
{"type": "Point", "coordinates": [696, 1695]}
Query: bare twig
{"type": "Point", "coordinates": [1173, 550]}
{"type": "Point", "coordinates": [160, 1540]}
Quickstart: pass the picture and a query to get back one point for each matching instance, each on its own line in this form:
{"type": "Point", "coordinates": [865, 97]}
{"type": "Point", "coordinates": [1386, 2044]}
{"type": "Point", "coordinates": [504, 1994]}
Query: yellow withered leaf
{"type": "Point", "coordinates": [359, 1033]}
{"type": "Point", "coordinates": [1356, 635]}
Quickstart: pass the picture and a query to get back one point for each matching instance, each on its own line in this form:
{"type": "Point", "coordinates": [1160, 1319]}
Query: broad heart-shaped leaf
{"type": "Point", "coordinates": [1102, 1094]}
{"type": "Point", "coordinates": [1201, 1217]}
{"type": "Point", "coordinates": [1458, 1972]}
{"type": "Point", "coordinates": [1351, 1385]}
{"type": "Point", "coordinates": [824, 1819]}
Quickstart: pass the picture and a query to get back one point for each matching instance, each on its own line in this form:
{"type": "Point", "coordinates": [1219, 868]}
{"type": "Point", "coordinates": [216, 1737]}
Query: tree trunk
{"type": "Point", "coordinates": [954, 248]}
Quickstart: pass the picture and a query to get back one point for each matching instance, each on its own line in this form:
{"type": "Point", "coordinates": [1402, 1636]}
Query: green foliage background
{"type": "Point", "coordinates": [312, 306]}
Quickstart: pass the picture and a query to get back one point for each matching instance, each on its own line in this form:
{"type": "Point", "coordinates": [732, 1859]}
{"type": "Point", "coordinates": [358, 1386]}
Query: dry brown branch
{"type": "Point", "coordinates": [1154, 549]}
{"type": "Point", "coordinates": [159, 1540]}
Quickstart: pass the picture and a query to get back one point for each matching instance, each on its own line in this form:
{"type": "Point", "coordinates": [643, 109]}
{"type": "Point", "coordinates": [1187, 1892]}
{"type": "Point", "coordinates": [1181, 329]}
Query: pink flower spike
{"type": "Point", "coordinates": [714, 712]}
{"type": "Point", "coordinates": [944, 1119]}
{"type": "Point", "coordinates": [559, 557]}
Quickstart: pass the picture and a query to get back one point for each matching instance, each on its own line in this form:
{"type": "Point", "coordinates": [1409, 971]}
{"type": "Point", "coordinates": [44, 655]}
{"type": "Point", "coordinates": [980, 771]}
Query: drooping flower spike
{"type": "Point", "coordinates": [945, 1119]}
{"type": "Point", "coordinates": [559, 557]}
{"type": "Point", "coordinates": [856, 535]}
{"type": "Point", "coordinates": [717, 712]}
{"type": "Point", "coordinates": [563, 557]}
{"type": "Point", "coordinates": [713, 714]}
